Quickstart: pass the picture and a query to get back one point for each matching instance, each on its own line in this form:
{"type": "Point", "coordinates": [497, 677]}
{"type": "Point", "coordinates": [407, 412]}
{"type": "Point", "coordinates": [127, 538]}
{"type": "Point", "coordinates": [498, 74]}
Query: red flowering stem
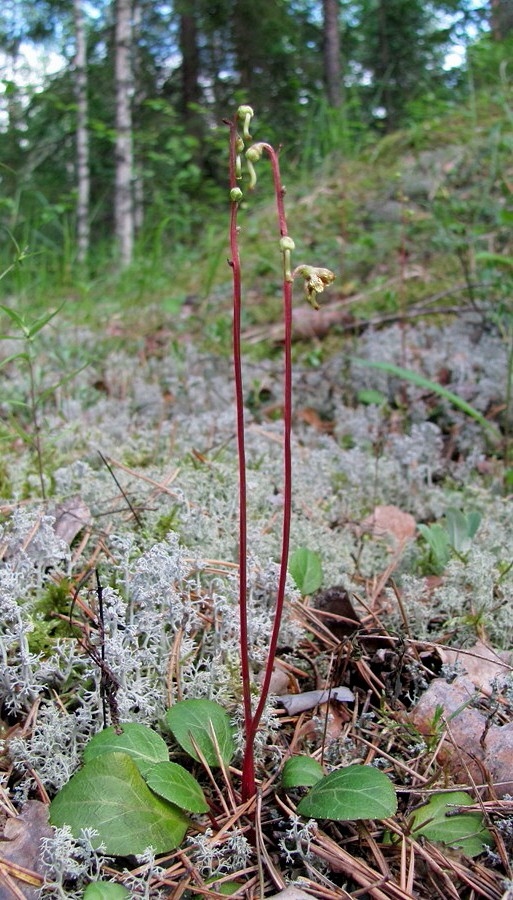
{"type": "Point", "coordinates": [241, 448]}
{"type": "Point", "coordinates": [248, 766]}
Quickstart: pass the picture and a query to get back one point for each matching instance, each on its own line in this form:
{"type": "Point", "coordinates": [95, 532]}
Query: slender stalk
{"type": "Point", "coordinates": [248, 788]}
{"type": "Point", "coordinates": [315, 281]}
{"type": "Point", "coordinates": [241, 448]}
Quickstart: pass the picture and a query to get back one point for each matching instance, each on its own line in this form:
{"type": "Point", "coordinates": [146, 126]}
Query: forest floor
{"type": "Point", "coordinates": [122, 578]}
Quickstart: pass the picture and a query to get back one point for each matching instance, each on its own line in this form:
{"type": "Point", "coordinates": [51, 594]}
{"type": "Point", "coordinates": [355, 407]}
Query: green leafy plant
{"type": "Point", "coordinates": [461, 529]}
{"type": "Point", "coordinates": [202, 727]}
{"type": "Point", "coordinates": [129, 791]}
{"type": "Point", "coordinates": [455, 535]}
{"type": "Point", "coordinates": [438, 548]}
{"type": "Point", "coordinates": [32, 404]}
{"type": "Point", "coordinates": [346, 795]}
{"type": "Point", "coordinates": [440, 819]}
{"type": "Point", "coordinates": [111, 796]}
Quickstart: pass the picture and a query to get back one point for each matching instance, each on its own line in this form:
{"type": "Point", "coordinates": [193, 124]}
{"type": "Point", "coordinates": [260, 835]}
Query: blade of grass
{"type": "Point", "coordinates": [434, 387]}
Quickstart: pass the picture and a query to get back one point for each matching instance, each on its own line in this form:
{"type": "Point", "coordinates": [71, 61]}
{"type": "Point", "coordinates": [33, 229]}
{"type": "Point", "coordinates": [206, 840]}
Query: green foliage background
{"type": "Point", "coordinates": [394, 72]}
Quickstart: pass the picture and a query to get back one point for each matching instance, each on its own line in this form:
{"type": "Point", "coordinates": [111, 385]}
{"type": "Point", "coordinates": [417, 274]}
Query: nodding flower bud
{"type": "Point", "coordinates": [236, 195]}
{"type": "Point", "coordinates": [286, 246]}
{"type": "Point", "coordinates": [315, 281]}
{"type": "Point", "coordinates": [245, 114]}
{"type": "Point", "coordinates": [253, 154]}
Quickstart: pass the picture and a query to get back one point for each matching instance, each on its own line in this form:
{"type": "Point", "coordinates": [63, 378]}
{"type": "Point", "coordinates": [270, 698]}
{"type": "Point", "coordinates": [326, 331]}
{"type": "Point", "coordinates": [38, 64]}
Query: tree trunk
{"type": "Point", "coordinates": [331, 52]}
{"type": "Point", "coordinates": [190, 89]}
{"type": "Point", "coordinates": [123, 203]}
{"type": "Point", "coordinates": [82, 136]}
{"type": "Point", "coordinates": [501, 18]}
{"type": "Point", "coordinates": [246, 17]}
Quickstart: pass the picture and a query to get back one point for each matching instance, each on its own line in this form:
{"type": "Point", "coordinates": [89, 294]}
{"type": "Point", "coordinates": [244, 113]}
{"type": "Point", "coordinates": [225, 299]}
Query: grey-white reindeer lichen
{"type": "Point", "coordinates": [69, 864]}
{"type": "Point", "coordinates": [214, 857]}
{"type": "Point", "coordinates": [30, 550]}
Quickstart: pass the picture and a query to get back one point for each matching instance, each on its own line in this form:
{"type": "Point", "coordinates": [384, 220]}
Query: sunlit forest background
{"type": "Point", "coordinates": [112, 143]}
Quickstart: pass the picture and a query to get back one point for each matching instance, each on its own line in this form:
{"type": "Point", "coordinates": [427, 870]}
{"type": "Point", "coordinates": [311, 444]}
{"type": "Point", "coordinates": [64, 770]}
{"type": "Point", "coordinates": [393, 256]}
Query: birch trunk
{"type": "Point", "coordinates": [82, 136]}
{"type": "Point", "coordinates": [123, 202]}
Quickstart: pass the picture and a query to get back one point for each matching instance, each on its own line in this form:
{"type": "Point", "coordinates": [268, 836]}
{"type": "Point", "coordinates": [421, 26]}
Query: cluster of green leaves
{"type": "Point", "coordinates": [133, 796]}
{"type": "Point", "coordinates": [129, 791]}
{"type": "Point", "coordinates": [364, 792]}
{"type": "Point", "coordinates": [26, 419]}
{"type": "Point", "coordinates": [452, 536]}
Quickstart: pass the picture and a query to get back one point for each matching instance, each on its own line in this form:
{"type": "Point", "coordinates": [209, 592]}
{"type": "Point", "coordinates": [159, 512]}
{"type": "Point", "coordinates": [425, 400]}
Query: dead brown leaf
{"type": "Point", "coordinates": [311, 417]}
{"type": "Point", "coordinates": [480, 663]}
{"type": "Point", "coordinates": [473, 749]}
{"type": "Point", "coordinates": [390, 521]}
{"type": "Point", "coordinates": [70, 518]}
{"type": "Point", "coordinates": [20, 852]}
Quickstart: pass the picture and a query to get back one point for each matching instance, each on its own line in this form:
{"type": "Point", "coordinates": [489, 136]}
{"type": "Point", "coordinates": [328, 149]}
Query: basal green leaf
{"type": "Point", "coordinates": [306, 569]}
{"type": "Point", "coordinates": [356, 792]}
{"type": "Point", "coordinates": [110, 795]}
{"type": "Point", "coordinates": [141, 743]}
{"type": "Point", "coordinates": [463, 831]}
{"type": "Point", "coordinates": [105, 890]}
{"type": "Point", "coordinates": [473, 522]}
{"type": "Point", "coordinates": [194, 722]}
{"type": "Point", "coordinates": [301, 771]}
{"type": "Point", "coordinates": [174, 783]}
{"type": "Point", "coordinates": [437, 539]}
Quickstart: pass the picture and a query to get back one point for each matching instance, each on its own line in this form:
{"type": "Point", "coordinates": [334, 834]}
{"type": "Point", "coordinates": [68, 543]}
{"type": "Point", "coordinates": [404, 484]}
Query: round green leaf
{"type": "Point", "coordinates": [194, 722]}
{"type": "Point", "coordinates": [301, 771]}
{"type": "Point", "coordinates": [105, 890]}
{"type": "Point", "coordinates": [110, 795]}
{"type": "Point", "coordinates": [463, 831]}
{"type": "Point", "coordinates": [174, 783]}
{"type": "Point", "coordinates": [356, 792]}
{"type": "Point", "coordinates": [141, 743]}
{"type": "Point", "coordinates": [306, 570]}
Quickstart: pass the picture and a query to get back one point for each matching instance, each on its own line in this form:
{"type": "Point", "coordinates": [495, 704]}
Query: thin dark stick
{"type": "Point", "coordinates": [125, 495]}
